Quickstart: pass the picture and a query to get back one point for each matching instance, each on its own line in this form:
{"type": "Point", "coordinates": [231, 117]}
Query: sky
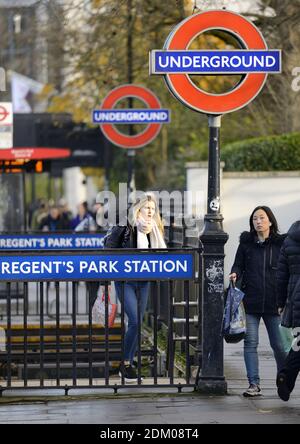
{"type": "Point", "coordinates": [233, 5]}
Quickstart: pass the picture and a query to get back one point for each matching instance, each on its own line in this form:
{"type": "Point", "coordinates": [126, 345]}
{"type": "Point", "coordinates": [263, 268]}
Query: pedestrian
{"type": "Point", "coordinates": [40, 213]}
{"type": "Point", "coordinates": [54, 221]}
{"type": "Point", "coordinates": [144, 230]}
{"type": "Point", "coordinates": [64, 211]}
{"type": "Point", "coordinates": [288, 300]}
{"type": "Point", "coordinates": [254, 269]}
{"type": "Point", "coordinates": [84, 220]}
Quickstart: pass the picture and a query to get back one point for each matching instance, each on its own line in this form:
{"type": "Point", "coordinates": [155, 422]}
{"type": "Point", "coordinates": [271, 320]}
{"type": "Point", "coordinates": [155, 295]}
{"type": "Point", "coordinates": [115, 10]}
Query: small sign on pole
{"type": "Point", "coordinates": [6, 125]}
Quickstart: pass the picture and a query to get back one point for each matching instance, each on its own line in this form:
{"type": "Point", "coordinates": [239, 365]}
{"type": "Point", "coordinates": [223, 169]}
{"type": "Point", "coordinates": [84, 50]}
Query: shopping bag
{"type": "Point", "coordinates": [98, 310]}
{"type": "Point", "coordinates": [287, 338]}
{"type": "Point", "coordinates": [234, 318]}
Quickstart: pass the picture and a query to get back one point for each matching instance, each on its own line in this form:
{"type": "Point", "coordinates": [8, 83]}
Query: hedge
{"type": "Point", "coordinates": [272, 153]}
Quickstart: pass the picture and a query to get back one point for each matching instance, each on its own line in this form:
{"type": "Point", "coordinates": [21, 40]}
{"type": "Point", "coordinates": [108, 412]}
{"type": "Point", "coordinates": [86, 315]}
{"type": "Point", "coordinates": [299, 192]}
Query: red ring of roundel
{"type": "Point", "coordinates": [123, 140]}
{"type": "Point", "coordinates": [186, 91]}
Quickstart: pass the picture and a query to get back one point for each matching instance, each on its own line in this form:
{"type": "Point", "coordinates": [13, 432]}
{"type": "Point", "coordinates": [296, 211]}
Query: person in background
{"type": "Point", "coordinates": [84, 220]}
{"type": "Point", "coordinates": [39, 214]}
{"type": "Point", "coordinates": [54, 221]}
{"type": "Point", "coordinates": [255, 265]}
{"type": "Point", "coordinates": [88, 225]}
{"type": "Point", "coordinates": [144, 230]}
{"type": "Point", "coordinates": [64, 210]}
{"type": "Point", "coordinates": [288, 301]}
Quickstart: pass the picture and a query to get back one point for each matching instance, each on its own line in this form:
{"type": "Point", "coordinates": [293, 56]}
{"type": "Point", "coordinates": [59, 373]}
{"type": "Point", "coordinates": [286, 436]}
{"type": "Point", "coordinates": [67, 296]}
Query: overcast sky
{"type": "Point", "coordinates": [234, 5]}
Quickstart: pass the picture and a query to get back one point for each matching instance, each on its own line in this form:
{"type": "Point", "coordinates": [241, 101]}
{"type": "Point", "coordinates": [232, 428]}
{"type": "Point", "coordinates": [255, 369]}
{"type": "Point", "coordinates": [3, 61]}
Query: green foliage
{"type": "Point", "coordinates": [272, 153]}
{"type": "Point", "coordinates": [108, 46]}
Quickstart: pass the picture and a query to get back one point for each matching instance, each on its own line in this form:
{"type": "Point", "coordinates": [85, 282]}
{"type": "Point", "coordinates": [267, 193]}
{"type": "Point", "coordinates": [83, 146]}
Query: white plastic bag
{"type": "Point", "coordinates": [98, 310]}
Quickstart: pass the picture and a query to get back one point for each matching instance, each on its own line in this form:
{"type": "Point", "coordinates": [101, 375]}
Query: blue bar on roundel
{"type": "Point", "coordinates": [131, 116]}
{"type": "Point", "coordinates": [215, 62]}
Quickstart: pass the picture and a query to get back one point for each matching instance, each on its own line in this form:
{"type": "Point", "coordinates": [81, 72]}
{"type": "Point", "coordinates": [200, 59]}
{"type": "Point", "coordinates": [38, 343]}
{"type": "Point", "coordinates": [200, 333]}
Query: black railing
{"type": "Point", "coordinates": [51, 340]}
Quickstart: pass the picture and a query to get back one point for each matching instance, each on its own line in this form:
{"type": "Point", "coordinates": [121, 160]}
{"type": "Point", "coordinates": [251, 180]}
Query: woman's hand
{"type": "Point", "coordinates": [144, 225]}
{"type": "Point", "coordinates": [280, 310]}
{"type": "Point", "coordinates": [233, 277]}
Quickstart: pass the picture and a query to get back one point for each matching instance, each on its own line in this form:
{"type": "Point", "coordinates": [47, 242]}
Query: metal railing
{"type": "Point", "coordinates": [52, 342]}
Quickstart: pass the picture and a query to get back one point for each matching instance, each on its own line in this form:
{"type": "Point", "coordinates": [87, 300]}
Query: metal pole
{"type": "Point", "coordinates": [212, 241]}
{"type": "Point", "coordinates": [131, 171]}
{"type": "Point", "coordinates": [107, 147]}
{"type": "Point", "coordinates": [130, 152]}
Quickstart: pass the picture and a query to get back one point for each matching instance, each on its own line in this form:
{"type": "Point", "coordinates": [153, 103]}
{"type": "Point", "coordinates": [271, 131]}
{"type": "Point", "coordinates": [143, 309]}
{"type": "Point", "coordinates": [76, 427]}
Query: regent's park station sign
{"type": "Point", "coordinates": [51, 241]}
{"type": "Point", "coordinates": [117, 266]}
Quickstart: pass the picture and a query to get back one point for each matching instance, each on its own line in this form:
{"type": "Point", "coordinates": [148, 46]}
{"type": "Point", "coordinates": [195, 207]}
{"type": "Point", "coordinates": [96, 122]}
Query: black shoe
{"type": "Point", "coordinates": [128, 372]}
{"type": "Point", "coordinates": [282, 387]}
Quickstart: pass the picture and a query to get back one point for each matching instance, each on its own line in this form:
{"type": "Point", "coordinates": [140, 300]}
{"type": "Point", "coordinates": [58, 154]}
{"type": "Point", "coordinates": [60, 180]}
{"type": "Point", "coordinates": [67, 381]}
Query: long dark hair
{"type": "Point", "coordinates": [274, 227]}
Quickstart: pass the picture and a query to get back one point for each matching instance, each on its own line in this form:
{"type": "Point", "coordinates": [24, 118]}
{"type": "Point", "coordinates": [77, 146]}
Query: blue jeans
{"type": "Point", "coordinates": [272, 323]}
{"type": "Point", "coordinates": [130, 308]}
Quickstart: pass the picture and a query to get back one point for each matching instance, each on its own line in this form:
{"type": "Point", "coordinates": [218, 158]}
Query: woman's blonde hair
{"type": "Point", "coordinates": [140, 202]}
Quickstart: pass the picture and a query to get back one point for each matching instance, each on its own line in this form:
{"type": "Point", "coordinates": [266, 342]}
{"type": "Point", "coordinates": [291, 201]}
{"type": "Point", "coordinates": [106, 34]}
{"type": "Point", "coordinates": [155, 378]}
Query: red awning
{"type": "Point", "coordinates": [34, 153]}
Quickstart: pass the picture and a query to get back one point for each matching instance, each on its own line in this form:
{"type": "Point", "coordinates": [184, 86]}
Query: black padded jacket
{"type": "Point", "coordinates": [255, 265]}
{"type": "Point", "coordinates": [122, 236]}
{"type": "Point", "coordinates": [288, 277]}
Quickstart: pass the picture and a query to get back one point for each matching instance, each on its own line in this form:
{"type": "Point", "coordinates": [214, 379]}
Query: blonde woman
{"type": "Point", "coordinates": [144, 230]}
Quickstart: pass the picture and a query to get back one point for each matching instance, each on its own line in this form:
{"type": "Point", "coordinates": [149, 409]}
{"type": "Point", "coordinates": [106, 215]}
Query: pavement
{"type": "Point", "coordinates": [157, 407]}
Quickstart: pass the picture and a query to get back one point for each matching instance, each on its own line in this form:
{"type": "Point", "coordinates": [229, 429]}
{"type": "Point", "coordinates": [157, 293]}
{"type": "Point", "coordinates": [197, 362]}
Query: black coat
{"type": "Point", "coordinates": [122, 237]}
{"type": "Point", "coordinates": [59, 224]}
{"type": "Point", "coordinates": [255, 265]}
{"type": "Point", "coordinates": [288, 277]}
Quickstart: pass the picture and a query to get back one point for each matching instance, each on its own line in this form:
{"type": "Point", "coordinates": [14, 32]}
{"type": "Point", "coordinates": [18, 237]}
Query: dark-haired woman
{"type": "Point", "coordinates": [255, 265]}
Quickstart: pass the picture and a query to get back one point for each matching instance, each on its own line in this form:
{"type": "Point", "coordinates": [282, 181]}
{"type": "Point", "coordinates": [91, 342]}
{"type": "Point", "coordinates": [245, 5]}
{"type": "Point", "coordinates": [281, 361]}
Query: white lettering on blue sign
{"type": "Point", "coordinates": [127, 116]}
{"type": "Point", "coordinates": [52, 242]}
{"type": "Point", "coordinates": [75, 267]}
{"type": "Point", "coordinates": [215, 62]}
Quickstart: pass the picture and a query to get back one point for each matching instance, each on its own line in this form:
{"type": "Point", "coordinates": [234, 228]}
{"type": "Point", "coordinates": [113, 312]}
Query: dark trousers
{"type": "Point", "coordinates": [291, 368]}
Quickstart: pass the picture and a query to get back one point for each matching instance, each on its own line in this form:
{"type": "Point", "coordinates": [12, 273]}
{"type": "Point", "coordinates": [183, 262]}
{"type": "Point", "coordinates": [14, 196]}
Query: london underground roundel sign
{"type": "Point", "coordinates": [254, 61]}
{"type": "Point", "coordinates": [108, 116]}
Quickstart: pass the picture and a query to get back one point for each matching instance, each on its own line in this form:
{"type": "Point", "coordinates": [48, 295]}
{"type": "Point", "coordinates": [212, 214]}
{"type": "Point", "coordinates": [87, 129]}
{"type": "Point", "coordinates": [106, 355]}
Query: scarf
{"type": "Point", "coordinates": [144, 228]}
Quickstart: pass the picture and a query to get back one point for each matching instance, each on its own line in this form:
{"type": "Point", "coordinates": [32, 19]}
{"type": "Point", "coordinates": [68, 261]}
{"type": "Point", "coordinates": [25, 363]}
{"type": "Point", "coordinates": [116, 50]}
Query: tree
{"type": "Point", "coordinates": [112, 49]}
{"type": "Point", "coordinates": [277, 109]}
{"type": "Point", "coordinates": [107, 44]}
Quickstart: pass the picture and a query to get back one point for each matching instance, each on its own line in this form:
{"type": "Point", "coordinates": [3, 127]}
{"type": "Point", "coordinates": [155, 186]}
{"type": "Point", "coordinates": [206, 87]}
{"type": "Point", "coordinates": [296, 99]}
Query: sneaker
{"type": "Point", "coordinates": [253, 390]}
{"type": "Point", "coordinates": [282, 387]}
{"type": "Point", "coordinates": [135, 367]}
{"type": "Point", "coordinates": [128, 372]}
